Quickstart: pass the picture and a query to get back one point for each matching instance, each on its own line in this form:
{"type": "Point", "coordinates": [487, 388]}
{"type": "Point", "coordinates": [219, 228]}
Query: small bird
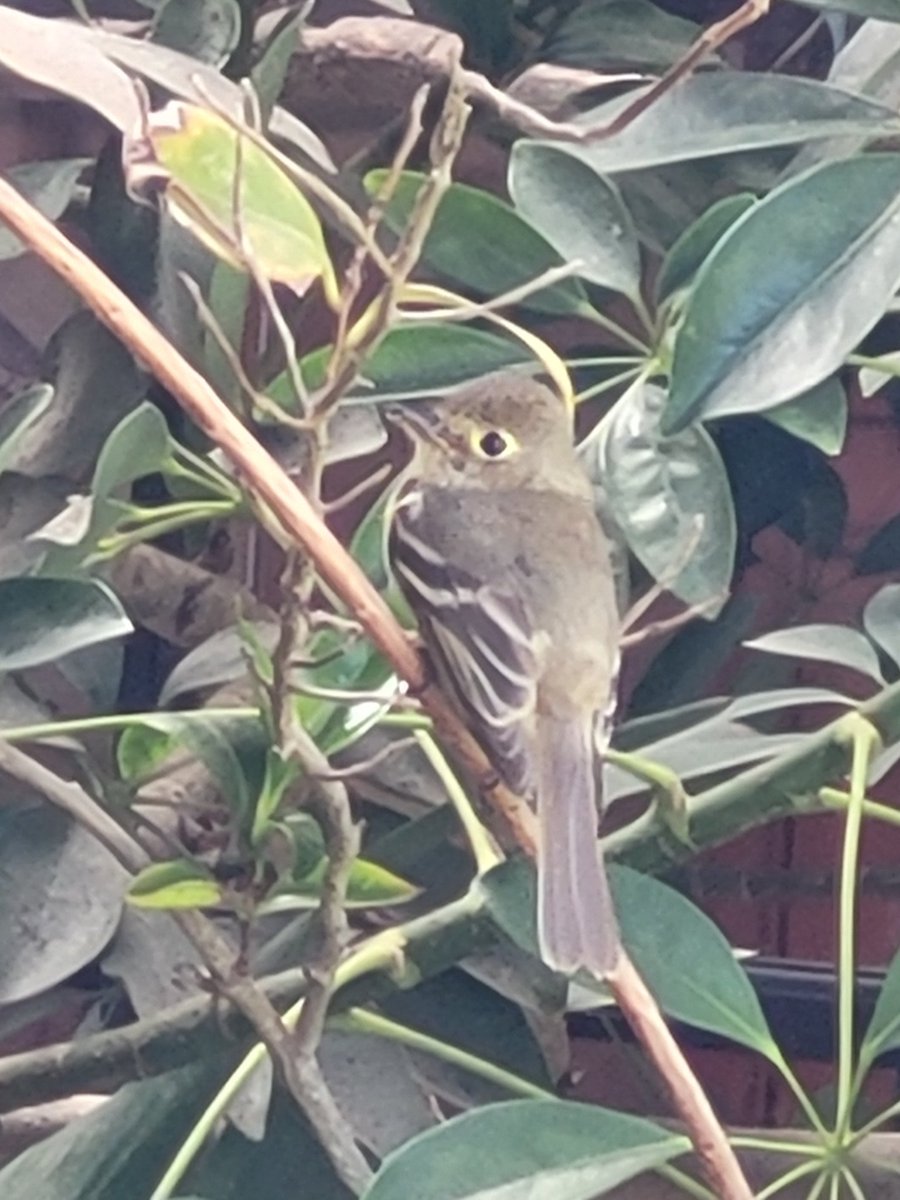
{"type": "Point", "coordinates": [496, 547]}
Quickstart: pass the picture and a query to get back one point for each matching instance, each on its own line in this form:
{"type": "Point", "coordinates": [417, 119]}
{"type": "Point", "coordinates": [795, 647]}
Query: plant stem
{"type": "Point", "coordinates": [789, 1177]}
{"type": "Point", "coordinates": [778, 1060]}
{"type": "Point", "coordinates": [617, 331]}
{"type": "Point", "coordinates": [50, 729]}
{"type": "Point", "coordinates": [360, 1020]}
{"type": "Point", "coordinates": [864, 739]}
{"type": "Point", "coordinates": [833, 798]}
{"type": "Point", "coordinates": [483, 849]}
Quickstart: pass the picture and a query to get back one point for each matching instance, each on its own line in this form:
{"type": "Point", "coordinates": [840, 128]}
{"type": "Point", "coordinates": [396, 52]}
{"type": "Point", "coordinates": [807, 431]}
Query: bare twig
{"type": "Point", "coordinates": [667, 624]}
{"type": "Point", "coordinates": [711, 1144]}
{"type": "Point", "coordinates": [445, 145]}
{"type": "Point", "coordinates": [353, 277]}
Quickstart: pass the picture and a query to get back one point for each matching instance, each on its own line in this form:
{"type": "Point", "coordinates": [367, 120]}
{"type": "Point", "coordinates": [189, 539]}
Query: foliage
{"type": "Point", "coordinates": [716, 268]}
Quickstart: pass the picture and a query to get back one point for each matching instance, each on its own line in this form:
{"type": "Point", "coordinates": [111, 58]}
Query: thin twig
{"type": "Point", "coordinates": [472, 311]}
{"type": "Point", "coordinates": [709, 1139]}
{"type": "Point", "coordinates": [529, 120]}
{"type": "Point", "coordinates": [445, 145]}
{"type": "Point", "coordinates": [353, 277]}
{"type": "Point", "coordinates": [668, 624]}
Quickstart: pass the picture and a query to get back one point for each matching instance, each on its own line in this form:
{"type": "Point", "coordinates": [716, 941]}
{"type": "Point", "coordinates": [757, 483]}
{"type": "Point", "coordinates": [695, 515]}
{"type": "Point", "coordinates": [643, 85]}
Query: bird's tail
{"type": "Point", "coordinates": [576, 922]}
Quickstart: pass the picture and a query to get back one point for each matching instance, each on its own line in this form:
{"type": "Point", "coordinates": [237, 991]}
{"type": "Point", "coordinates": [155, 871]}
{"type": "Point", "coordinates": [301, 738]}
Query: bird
{"type": "Point", "coordinates": [496, 547]}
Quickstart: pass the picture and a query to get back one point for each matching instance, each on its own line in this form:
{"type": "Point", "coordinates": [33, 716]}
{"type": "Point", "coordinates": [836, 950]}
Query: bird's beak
{"type": "Point", "coordinates": [419, 420]}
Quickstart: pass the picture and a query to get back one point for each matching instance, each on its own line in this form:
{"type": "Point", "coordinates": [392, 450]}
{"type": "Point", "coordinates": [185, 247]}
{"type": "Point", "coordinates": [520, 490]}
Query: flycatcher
{"type": "Point", "coordinates": [498, 551]}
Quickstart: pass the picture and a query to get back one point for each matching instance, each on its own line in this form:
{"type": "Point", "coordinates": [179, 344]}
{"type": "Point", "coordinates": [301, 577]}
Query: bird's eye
{"type": "Point", "coordinates": [493, 444]}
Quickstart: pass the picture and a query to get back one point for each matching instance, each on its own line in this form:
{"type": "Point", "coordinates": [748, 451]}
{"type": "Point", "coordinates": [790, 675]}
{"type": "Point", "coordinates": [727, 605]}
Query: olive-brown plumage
{"type": "Point", "coordinates": [497, 548]}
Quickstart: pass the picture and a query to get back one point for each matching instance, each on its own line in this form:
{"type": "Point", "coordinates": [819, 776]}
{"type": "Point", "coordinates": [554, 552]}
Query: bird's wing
{"type": "Point", "coordinates": [482, 641]}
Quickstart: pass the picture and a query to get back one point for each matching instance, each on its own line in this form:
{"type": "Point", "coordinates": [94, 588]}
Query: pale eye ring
{"type": "Point", "coordinates": [493, 444]}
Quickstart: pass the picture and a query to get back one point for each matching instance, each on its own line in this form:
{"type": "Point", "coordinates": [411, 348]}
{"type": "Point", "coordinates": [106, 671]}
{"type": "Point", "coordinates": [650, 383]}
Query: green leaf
{"type": "Point", "coordinates": [539, 1149]}
{"type": "Point", "coordinates": [176, 884]}
{"type": "Point", "coordinates": [783, 299]}
{"type": "Point", "coordinates": [883, 1033]}
{"type": "Point", "coordinates": [482, 243]}
{"type": "Point", "coordinates": [271, 67]}
{"type": "Point", "coordinates": [691, 250]}
{"type": "Point", "coordinates": [219, 659]}
{"type": "Point", "coordinates": [369, 886]}
{"type": "Point", "coordinates": [881, 620]}
{"type": "Point", "coordinates": [823, 643]}
{"type": "Point", "coordinates": [60, 895]}
{"type": "Point", "coordinates": [120, 1149]}
{"type": "Point", "coordinates": [706, 749]}
{"type": "Point", "coordinates": [43, 619]}
{"type": "Point", "coordinates": [686, 961]}
{"type": "Point", "coordinates": [721, 112]}
{"type": "Point", "coordinates": [580, 213]}
{"type": "Point", "coordinates": [229, 198]}
{"type": "Point", "coordinates": [47, 185]}
{"type": "Point", "coordinates": [882, 551]}
{"type": "Point", "coordinates": [604, 35]}
{"type": "Point", "coordinates": [18, 416]}
{"type": "Point", "coordinates": [669, 496]}
{"type": "Point", "coordinates": [288, 1162]}
{"type": "Point", "coordinates": [279, 775]}
{"type": "Point", "coordinates": [818, 416]}
{"type": "Point", "coordinates": [221, 745]}
{"type": "Point", "coordinates": [416, 360]}
{"type": "Point", "coordinates": [139, 445]}
{"type": "Point", "coordinates": [207, 30]}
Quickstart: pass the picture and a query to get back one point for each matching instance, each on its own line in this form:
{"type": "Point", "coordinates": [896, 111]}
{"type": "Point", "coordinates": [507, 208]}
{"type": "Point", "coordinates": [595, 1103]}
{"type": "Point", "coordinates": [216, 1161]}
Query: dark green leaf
{"type": "Point", "coordinates": [415, 360]}
{"type": "Point", "coordinates": [881, 620]}
{"type": "Point", "coordinates": [119, 1150]}
{"type": "Point", "coordinates": [221, 658]}
{"type": "Point", "coordinates": [721, 112]}
{"type": "Point", "coordinates": [818, 416]}
{"type": "Point", "coordinates": [138, 446]}
{"type": "Point", "coordinates": [580, 213]}
{"type": "Point", "coordinates": [482, 243]}
{"type": "Point", "coordinates": [288, 1162]}
{"type": "Point", "coordinates": [818, 516]}
{"type": "Point", "coordinates": [540, 1149]}
{"type": "Point", "coordinates": [695, 245]}
{"type": "Point", "coordinates": [707, 749]}
{"type": "Point", "coordinates": [669, 496]}
{"type": "Point", "coordinates": [882, 551]}
{"type": "Point", "coordinates": [207, 30]}
{"type": "Point", "coordinates": [219, 744]}
{"type": "Point", "coordinates": [615, 34]}
{"type": "Point", "coordinates": [47, 185]}
{"type": "Point", "coordinates": [686, 961]}
{"type": "Point", "coordinates": [269, 72]}
{"type": "Point", "coordinates": [176, 884]}
{"type": "Point", "coordinates": [883, 1033]}
{"type": "Point", "coordinates": [43, 619]}
{"type": "Point", "coordinates": [783, 299]}
{"type": "Point", "coordinates": [60, 895]}
{"type": "Point", "coordinates": [823, 643]}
